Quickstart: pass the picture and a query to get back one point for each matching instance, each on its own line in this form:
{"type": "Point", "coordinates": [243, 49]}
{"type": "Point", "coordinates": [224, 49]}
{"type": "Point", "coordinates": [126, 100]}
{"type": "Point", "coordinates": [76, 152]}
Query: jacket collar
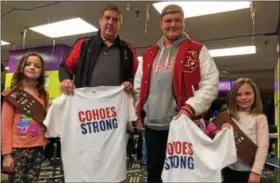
{"type": "Point", "coordinates": [117, 41]}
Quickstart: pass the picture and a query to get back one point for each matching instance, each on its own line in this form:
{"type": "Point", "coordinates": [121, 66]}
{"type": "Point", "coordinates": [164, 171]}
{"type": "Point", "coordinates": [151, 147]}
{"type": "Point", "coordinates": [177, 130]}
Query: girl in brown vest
{"type": "Point", "coordinates": [245, 105]}
{"type": "Point", "coordinates": [23, 138]}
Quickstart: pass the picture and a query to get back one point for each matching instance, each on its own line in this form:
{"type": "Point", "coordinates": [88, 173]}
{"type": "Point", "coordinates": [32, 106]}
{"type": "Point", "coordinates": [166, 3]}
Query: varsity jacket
{"type": "Point", "coordinates": [195, 78]}
{"type": "Point", "coordinates": [82, 58]}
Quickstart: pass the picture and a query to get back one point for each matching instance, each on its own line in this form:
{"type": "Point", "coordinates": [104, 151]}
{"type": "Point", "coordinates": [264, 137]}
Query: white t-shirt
{"type": "Point", "coordinates": [191, 156]}
{"type": "Point", "coordinates": [92, 126]}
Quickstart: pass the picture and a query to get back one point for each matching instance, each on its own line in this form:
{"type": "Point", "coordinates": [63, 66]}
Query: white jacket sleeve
{"type": "Point", "coordinates": [137, 82]}
{"type": "Point", "coordinates": [208, 85]}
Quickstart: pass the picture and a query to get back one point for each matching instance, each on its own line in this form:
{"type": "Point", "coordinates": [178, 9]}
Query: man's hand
{"type": "Point", "coordinates": [67, 86]}
{"type": "Point", "coordinates": [130, 127]}
{"type": "Point", "coordinates": [198, 121]}
{"type": "Point", "coordinates": [181, 112]}
{"type": "Point", "coordinates": [254, 178]}
{"type": "Point", "coordinates": [139, 125]}
{"type": "Point", "coordinates": [127, 86]}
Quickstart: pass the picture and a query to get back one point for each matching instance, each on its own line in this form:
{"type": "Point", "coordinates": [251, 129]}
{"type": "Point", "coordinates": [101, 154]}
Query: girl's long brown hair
{"type": "Point", "coordinates": [257, 107]}
{"type": "Point", "coordinates": [19, 74]}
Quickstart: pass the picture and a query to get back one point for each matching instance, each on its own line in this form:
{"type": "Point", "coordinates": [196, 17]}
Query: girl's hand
{"type": "Point", "coordinates": [8, 163]}
{"type": "Point", "coordinates": [226, 126]}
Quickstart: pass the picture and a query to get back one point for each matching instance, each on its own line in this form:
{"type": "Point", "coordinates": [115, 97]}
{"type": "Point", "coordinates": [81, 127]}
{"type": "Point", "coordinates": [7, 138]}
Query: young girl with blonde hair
{"type": "Point", "coordinates": [245, 106]}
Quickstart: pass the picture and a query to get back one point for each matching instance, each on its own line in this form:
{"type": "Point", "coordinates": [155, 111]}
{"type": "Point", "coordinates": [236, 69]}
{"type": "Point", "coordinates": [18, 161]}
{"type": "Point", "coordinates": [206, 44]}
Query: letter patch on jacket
{"type": "Point", "coordinates": [190, 62]}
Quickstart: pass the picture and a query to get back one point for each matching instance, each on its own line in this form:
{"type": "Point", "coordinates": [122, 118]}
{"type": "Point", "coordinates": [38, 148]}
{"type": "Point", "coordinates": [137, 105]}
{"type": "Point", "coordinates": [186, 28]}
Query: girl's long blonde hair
{"type": "Point", "coordinates": [257, 107]}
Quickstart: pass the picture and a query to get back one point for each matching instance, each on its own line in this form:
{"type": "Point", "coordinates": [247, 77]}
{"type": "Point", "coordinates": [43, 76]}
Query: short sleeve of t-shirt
{"type": "Point", "coordinates": [53, 120]}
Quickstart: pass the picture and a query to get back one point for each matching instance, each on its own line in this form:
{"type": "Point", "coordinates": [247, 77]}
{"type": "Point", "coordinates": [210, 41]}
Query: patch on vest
{"type": "Point", "coordinates": [190, 62]}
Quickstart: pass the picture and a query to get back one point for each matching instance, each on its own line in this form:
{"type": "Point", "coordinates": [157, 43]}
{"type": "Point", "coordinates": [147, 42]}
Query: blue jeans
{"type": "Point", "coordinates": [144, 150]}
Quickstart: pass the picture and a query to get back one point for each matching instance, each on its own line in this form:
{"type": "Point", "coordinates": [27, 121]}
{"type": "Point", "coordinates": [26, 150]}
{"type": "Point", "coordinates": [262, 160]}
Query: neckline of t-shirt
{"type": "Point", "coordinates": [98, 92]}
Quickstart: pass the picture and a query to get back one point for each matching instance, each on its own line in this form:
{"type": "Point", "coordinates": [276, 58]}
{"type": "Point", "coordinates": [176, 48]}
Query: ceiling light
{"type": "Point", "coordinates": [4, 43]}
{"type": "Point", "coordinates": [224, 72]}
{"type": "Point", "coordinates": [234, 51]}
{"type": "Point", "coordinates": [194, 9]}
{"type": "Point", "coordinates": [63, 28]}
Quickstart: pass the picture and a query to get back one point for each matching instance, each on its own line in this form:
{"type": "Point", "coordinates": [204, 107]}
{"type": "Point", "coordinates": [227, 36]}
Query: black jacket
{"type": "Point", "coordinates": [82, 58]}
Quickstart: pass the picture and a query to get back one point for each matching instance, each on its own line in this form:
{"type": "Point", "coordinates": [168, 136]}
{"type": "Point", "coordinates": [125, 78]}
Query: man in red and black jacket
{"type": "Point", "coordinates": [177, 76]}
{"type": "Point", "coordinates": [103, 59]}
